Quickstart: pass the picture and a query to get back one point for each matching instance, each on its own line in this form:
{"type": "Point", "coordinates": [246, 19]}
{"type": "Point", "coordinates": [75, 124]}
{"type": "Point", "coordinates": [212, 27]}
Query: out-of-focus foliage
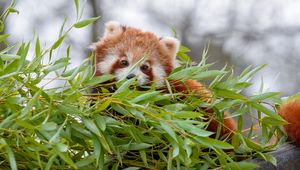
{"type": "Point", "coordinates": [69, 128]}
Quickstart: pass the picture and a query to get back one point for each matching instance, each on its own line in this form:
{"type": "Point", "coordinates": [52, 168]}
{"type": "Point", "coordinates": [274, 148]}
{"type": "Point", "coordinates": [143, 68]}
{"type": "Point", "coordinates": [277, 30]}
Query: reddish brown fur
{"type": "Point", "coordinates": [193, 86]}
{"type": "Point", "coordinates": [291, 113]}
{"type": "Point", "coordinates": [138, 43]}
{"type": "Point", "coordinates": [228, 127]}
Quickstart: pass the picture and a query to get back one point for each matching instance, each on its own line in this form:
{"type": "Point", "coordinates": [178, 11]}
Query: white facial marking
{"type": "Point", "coordinates": [105, 65]}
{"type": "Point", "coordinates": [158, 73]}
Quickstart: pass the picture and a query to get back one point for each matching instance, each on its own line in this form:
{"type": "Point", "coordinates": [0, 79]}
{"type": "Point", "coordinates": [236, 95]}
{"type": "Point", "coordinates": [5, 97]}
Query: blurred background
{"type": "Point", "coordinates": [239, 33]}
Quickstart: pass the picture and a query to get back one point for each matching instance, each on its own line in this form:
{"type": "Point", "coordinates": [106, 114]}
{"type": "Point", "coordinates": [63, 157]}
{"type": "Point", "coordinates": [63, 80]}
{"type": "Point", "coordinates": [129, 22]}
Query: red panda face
{"type": "Point", "coordinates": [129, 52]}
{"type": "Point", "coordinates": [128, 66]}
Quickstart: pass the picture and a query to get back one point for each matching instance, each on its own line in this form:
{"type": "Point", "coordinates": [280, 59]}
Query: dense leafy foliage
{"type": "Point", "coordinates": [67, 127]}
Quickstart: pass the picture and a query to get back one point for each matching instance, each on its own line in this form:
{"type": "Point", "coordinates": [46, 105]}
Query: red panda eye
{"type": "Point", "coordinates": [124, 63]}
{"type": "Point", "coordinates": [144, 67]}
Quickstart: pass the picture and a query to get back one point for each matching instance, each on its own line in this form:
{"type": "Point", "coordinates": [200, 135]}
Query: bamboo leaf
{"type": "Point", "coordinates": [264, 96]}
{"type": "Point", "coordinates": [37, 47]}
{"type": "Point", "coordinates": [98, 80]}
{"type": "Point", "coordinates": [214, 143]}
{"type": "Point", "coordinates": [3, 37]}
{"type": "Point", "coordinates": [169, 130]}
{"type": "Point", "coordinates": [30, 104]}
{"type": "Point", "coordinates": [67, 159]}
{"type": "Point", "coordinates": [58, 42]}
{"type": "Point", "coordinates": [86, 22]}
{"type": "Point", "coordinates": [145, 96]}
{"type": "Point", "coordinates": [230, 94]}
{"type": "Point", "coordinates": [9, 57]}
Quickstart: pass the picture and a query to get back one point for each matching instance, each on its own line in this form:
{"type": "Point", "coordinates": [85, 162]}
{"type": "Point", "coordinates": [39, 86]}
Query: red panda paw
{"type": "Point", "coordinates": [291, 113]}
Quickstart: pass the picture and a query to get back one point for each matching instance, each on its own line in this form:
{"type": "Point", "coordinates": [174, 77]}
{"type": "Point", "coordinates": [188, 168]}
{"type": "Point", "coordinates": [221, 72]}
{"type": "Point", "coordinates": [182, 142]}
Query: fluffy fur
{"type": "Point", "coordinates": [133, 45]}
{"type": "Point", "coordinates": [127, 52]}
{"type": "Point", "coordinates": [291, 113]}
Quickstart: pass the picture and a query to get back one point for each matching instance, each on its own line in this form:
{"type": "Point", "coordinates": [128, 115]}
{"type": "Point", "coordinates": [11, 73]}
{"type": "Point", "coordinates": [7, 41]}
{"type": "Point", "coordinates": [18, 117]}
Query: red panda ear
{"type": "Point", "coordinates": [170, 45]}
{"type": "Point", "coordinates": [112, 28]}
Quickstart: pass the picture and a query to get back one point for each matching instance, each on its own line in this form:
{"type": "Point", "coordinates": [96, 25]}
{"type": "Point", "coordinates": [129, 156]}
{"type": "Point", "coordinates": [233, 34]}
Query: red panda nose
{"type": "Point", "coordinates": [130, 76]}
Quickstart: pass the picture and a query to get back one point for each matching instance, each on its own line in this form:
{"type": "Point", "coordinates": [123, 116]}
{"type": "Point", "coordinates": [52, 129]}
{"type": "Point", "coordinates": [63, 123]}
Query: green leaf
{"type": "Point", "coordinates": [264, 96]}
{"type": "Point", "coordinates": [61, 147]}
{"type": "Point", "coordinates": [1, 25]}
{"type": "Point", "coordinates": [3, 37]}
{"type": "Point", "coordinates": [61, 30]}
{"type": "Point", "coordinates": [99, 79]}
{"type": "Point", "coordinates": [11, 157]}
{"type": "Point", "coordinates": [37, 47]}
{"type": "Point", "coordinates": [85, 161]}
{"type": "Point", "coordinates": [10, 154]}
{"type": "Point", "coordinates": [8, 75]}
{"type": "Point", "coordinates": [49, 126]}
{"type": "Point", "coordinates": [86, 22]}
{"type": "Point", "coordinates": [50, 162]}
{"type": "Point", "coordinates": [124, 87]}
{"type": "Point", "coordinates": [189, 127]}
{"type": "Point", "coordinates": [274, 121]}
{"type": "Point", "coordinates": [8, 57]}
{"type": "Point", "coordinates": [30, 104]}
{"type": "Point", "coordinates": [91, 126]}
{"type": "Point", "coordinates": [243, 165]}
{"type": "Point", "coordinates": [175, 107]}
{"type": "Point", "coordinates": [54, 67]}
{"type": "Point", "coordinates": [1, 65]}
{"type": "Point", "coordinates": [100, 121]}
{"type": "Point", "coordinates": [145, 96]}
{"type": "Point", "coordinates": [103, 105]}
{"type": "Point", "coordinates": [12, 10]}
{"type": "Point", "coordinates": [25, 124]}
{"type": "Point", "coordinates": [188, 114]}
{"type": "Point", "coordinates": [58, 42]}
{"type": "Point", "coordinates": [76, 7]}
{"type": "Point", "coordinates": [211, 143]}
{"type": "Point", "coordinates": [68, 108]}
{"type": "Point", "coordinates": [67, 159]}
{"type": "Point", "coordinates": [58, 133]}
{"type": "Point", "coordinates": [135, 146]}
{"type": "Point", "coordinates": [268, 157]}
{"type": "Point", "coordinates": [184, 49]}
{"type": "Point", "coordinates": [247, 75]}
{"type": "Point", "coordinates": [176, 150]}
{"type": "Point", "coordinates": [230, 94]}
{"type": "Point", "coordinates": [187, 73]}
{"type": "Point", "coordinates": [98, 152]}
{"type": "Point", "coordinates": [266, 111]}
{"type": "Point", "coordinates": [169, 130]}
{"type": "Point", "coordinates": [208, 74]}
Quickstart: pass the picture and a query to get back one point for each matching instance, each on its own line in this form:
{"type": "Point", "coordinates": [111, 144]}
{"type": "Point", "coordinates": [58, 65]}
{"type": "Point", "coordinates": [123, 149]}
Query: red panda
{"type": "Point", "coordinates": [152, 59]}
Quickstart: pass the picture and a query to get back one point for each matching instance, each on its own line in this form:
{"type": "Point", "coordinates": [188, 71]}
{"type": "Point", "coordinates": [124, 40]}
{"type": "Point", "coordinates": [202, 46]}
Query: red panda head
{"type": "Point", "coordinates": [128, 52]}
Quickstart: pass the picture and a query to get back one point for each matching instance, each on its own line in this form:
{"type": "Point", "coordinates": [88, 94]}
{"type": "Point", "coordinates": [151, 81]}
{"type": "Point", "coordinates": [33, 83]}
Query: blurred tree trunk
{"type": "Point", "coordinates": [2, 7]}
{"type": "Point", "coordinates": [96, 11]}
